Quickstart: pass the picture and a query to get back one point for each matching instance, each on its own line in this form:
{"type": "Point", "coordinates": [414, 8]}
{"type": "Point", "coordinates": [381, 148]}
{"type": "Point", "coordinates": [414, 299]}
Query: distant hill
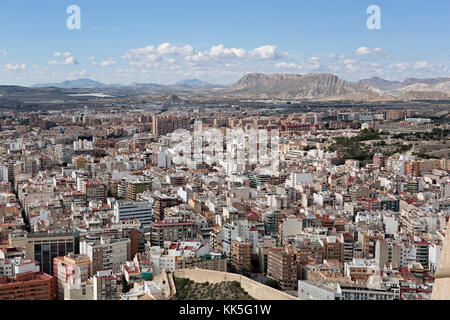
{"type": "Point", "coordinates": [411, 81]}
{"type": "Point", "coordinates": [410, 84]}
{"type": "Point", "coordinates": [170, 98]}
{"type": "Point", "coordinates": [196, 83]}
{"type": "Point", "coordinates": [382, 84]}
{"type": "Point", "coordinates": [19, 90]}
{"type": "Point", "coordinates": [74, 84]}
{"type": "Point", "coordinates": [424, 95]}
{"type": "Point", "coordinates": [192, 82]}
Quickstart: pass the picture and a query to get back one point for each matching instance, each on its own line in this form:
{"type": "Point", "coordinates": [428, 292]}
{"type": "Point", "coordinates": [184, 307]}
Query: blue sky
{"type": "Point", "coordinates": [219, 41]}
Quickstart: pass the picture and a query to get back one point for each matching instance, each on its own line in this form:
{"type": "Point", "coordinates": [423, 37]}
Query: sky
{"type": "Point", "coordinates": [220, 41]}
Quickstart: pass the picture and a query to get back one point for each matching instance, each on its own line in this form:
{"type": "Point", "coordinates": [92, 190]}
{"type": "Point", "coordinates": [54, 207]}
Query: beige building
{"type": "Point", "coordinates": [106, 254]}
{"type": "Point", "coordinates": [70, 269]}
{"type": "Point", "coordinates": [240, 255]}
{"type": "Point", "coordinates": [387, 252]}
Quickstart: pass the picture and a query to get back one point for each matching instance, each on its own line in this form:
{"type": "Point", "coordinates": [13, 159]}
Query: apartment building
{"type": "Point", "coordinates": [71, 268]}
{"type": "Point", "coordinates": [386, 251]}
{"type": "Point", "coordinates": [333, 249]}
{"type": "Point", "coordinates": [106, 253]}
{"type": "Point", "coordinates": [105, 285]}
{"type": "Point", "coordinates": [27, 286]}
{"type": "Point", "coordinates": [175, 229]}
{"type": "Point", "coordinates": [282, 267]}
{"type": "Point", "coordinates": [361, 269]}
{"type": "Point", "coordinates": [135, 188]}
{"type": "Point", "coordinates": [162, 125]}
{"type": "Point", "coordinates": [162, 202]}
{"type": "Point", "coordinates": [132, 210]}
{"type": "Point", "coordinates": [240, 255]}
{"type": "Point", "coordinates": [94, 190]}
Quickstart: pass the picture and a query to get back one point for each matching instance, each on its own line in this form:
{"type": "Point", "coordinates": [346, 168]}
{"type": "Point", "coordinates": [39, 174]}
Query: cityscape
{"type": "Point", "coordinates": [171, 173]}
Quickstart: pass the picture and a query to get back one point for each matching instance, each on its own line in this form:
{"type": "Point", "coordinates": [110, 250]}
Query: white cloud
{"type": "Point", "coordinates": [288, 65]}
{"type": "Point", "coordinates": [363, 51]}
{"type": "Point", "coordinates": [217, 52]}
{"type": "Point", "coordinates": [169, 49]}
{"type": "Point", "coordinates": [311, 64]}
{"type": "Point", "coordinates": [152, 53]}
{"type": "Point", "coordinates": [399, 66]}
{"type": "Point", "coordinates": [69, 59]}
{"type": "Point", "coordinates": [106, 63]}
{"type": "Point", "coordinates": [21, 67]}
{"type": "Point", "coordinates": [267, 52]}
{"type": "Point", "coordinates": [176, 56]}
{"type": "Point", "coordinates": [3, 53]}
{"type": "Point", "coordinates": [421, 65]}
{"type": "Point", "coordinates": [62, 54]}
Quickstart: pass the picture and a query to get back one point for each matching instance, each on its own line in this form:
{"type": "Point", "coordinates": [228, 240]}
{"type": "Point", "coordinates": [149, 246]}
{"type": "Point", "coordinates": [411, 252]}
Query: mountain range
{"type": "Point", "coordinates": [73, 84]}
{"type": "Point", "coordinates": [314, 87]}
{"type": "Point", "coordinates": [410, 84]}
{"type": "Point", "coordinates": [88, 83]}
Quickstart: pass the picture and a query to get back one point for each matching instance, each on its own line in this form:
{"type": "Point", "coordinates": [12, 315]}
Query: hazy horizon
{"type": "Point", "coordinates": [219, 42]}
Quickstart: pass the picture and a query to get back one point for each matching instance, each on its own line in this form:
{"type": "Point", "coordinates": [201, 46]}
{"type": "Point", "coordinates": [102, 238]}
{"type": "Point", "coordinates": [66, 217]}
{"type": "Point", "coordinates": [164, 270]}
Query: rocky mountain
{"type": "Point", "coordinates": [295, 86]}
